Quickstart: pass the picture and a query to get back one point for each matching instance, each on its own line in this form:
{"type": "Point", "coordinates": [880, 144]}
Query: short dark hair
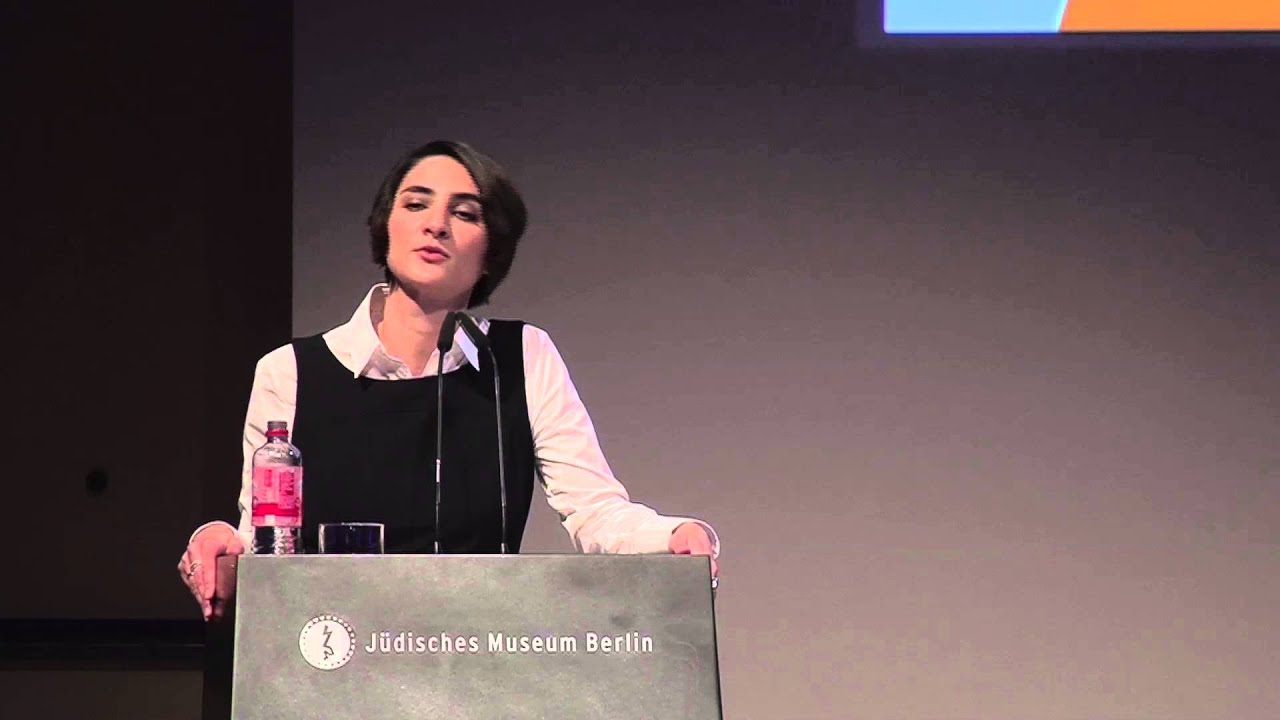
{"type": "Point", "coordinates": [502, 207]}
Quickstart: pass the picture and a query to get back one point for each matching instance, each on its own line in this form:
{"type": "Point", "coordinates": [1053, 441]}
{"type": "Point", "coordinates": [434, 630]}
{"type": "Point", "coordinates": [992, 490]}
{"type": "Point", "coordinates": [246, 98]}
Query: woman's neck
{"type": "Point", "coordinates": [410, 327]}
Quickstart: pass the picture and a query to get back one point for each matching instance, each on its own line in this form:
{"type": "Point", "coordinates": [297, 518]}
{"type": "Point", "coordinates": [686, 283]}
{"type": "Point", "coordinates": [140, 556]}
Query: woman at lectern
{"type": "Point", "coordinates": [361, 398]}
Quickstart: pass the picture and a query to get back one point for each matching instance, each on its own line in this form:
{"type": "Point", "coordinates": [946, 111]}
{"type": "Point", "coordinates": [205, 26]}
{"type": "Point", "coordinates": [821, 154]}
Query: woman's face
{"type": "Point", "coordinates": [437, 232]}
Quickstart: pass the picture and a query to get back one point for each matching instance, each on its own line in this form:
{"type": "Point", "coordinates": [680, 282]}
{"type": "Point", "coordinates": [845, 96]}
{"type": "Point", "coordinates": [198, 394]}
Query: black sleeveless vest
{"type": "Point", "coordinates": [368, 449]}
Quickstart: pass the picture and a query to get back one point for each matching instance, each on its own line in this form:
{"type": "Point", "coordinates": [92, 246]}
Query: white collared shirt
{"type": "Point", "coordinates": [593, 506]}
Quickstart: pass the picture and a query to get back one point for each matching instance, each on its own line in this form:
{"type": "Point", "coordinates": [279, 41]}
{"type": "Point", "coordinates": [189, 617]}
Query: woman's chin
{"type": "Point", "coordinates": [427, 290]}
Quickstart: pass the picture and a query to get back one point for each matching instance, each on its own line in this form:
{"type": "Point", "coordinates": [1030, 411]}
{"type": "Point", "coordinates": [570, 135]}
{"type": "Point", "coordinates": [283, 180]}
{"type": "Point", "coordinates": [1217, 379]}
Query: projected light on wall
{"type": "Point", "coordinates": [982, 17]}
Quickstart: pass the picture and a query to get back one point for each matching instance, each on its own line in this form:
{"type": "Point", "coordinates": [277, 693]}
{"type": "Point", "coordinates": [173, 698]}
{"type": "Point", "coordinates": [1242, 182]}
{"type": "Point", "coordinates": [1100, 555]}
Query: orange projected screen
{"type": "Point", "coordinates": [1167, 16]}
{"type": "Point", "coordinates": [945, 17]}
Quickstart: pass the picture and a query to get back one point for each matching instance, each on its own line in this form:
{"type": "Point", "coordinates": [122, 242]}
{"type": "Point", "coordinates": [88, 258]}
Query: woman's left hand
{"type": "Point", "coordinates": [692, 539]}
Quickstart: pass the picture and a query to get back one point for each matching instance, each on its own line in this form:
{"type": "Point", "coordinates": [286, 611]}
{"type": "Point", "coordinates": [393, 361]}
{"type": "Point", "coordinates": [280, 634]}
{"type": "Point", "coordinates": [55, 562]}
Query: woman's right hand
{"type": "Point", "coordinates": [199, 566]}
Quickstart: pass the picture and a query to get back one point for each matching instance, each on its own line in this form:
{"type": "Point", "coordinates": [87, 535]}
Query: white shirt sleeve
{"type": "Point", "coordinates": [273, 397]}
{"type": "Point", "coordinates": [594, 507]}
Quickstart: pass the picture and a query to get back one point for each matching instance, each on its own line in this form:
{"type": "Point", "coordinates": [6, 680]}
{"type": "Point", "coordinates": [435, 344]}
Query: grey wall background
{"type": "Point", "coordinates": [969, 356]}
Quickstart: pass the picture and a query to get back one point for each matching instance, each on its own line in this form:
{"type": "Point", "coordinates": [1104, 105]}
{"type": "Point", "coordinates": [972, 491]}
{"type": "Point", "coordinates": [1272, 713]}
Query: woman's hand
{"type": "Point", "coordinates": [692, 539]}
{"type": "Point", "coordinates": [199, 567]}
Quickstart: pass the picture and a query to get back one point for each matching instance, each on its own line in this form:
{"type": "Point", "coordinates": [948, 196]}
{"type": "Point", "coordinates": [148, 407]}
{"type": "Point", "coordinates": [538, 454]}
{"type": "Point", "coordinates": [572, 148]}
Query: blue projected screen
{"type": "Point", "coordinates": [995, 17]}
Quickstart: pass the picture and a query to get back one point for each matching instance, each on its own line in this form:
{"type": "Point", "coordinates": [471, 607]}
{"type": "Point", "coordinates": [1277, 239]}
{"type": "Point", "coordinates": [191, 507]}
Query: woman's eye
{"type": "Point", "coordinates": [467, 215]}
{"type": "Point", "coordinates": [414, 205]}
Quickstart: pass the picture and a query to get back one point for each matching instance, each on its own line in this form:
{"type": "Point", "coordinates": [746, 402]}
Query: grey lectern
{"type": "Point", "coordinates": [485, 636]}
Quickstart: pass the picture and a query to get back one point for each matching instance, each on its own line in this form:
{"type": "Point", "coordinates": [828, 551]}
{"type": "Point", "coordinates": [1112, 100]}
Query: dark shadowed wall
{"type": "Point", "coordinates": [147, 160]}
{"type": "Point", "coordinates": [151, 149]}
{"type": "Point", "coordinates": [970, 356]}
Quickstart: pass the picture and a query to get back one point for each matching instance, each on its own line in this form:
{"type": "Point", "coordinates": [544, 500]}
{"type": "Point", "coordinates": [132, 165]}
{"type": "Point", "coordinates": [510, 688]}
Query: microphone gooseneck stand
{"type": "Point", "coordinates": [443, 343]}
{"type": "Point", "coordinates": [480, 340]}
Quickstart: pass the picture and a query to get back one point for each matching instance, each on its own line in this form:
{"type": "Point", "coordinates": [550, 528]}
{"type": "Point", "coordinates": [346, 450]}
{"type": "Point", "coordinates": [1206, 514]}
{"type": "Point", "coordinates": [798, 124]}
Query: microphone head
{"type": "Point", "coordinates": [448, 329]}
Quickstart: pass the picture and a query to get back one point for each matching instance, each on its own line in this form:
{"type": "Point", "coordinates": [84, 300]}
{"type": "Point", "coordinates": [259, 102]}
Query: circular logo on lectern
{"type": "Point", "coordinates": [327, 642]}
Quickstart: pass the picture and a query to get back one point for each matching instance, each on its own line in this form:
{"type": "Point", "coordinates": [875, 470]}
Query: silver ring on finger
{"type": "Point", "coordinates": [191, 571]}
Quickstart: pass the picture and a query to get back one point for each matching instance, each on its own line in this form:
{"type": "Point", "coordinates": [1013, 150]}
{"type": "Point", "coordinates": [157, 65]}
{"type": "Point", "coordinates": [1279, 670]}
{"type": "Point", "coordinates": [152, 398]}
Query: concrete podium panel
{"type": "Point", "coordinates": [515, 636]}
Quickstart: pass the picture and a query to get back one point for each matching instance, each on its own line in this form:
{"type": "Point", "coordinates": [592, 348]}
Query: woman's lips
{"type": "Point", "coordinates": [432, 255]}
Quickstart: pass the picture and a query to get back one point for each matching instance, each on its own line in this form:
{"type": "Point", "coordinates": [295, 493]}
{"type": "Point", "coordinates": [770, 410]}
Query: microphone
{"type": "Point", "coordinates": [448, 329]}
{"type": "Point", "coordinates": [480, 340]}
{"type": "Point", "coordinates": [443, 342]}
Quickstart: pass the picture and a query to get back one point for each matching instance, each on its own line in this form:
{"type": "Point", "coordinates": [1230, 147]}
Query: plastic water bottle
{"type": "Point", "coordinates": [277, 494]}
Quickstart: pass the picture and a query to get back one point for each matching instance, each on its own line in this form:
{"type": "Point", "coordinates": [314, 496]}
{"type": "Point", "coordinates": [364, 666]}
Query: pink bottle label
{"type": "Point", "coordinates": [277, 496]}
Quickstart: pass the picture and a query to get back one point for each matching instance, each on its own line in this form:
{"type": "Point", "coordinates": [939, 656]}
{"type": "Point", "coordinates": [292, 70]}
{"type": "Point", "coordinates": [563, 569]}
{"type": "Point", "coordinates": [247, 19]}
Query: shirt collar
{"type": "Point", "coordinates": [360, 349]}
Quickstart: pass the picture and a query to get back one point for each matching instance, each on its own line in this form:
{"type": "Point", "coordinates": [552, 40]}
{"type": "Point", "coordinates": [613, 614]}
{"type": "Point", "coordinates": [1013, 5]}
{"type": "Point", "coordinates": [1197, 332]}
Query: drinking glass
{"type": "Point", "coordinates": [351, 538]}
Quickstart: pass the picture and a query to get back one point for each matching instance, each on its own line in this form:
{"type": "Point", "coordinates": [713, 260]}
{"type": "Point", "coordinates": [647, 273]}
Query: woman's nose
{"type": "Point", "coordinates": [436, 222]}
